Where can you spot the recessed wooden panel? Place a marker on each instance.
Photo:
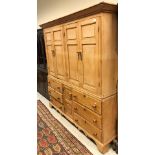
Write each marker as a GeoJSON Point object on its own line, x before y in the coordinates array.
{"type": "Point", "coordinates": [72, 48]}
{"type": "Point", "coordinates": [71, 33]}
{"type": "Point", "coordinates": [89, 66]}
{"type": "Point", "coordinates": [60, 60]}
{"type": "Point", "coordinates": [73, 63]}
{"type": "Point", "coordinates": [58, 47]}
{"type": "Point", "coordinates": [51, 61]}
{"type": "Point", "coordinates": [48, 36]}
{"type": "Point", "coordinates": [89, 45]}
{"type": "Point", "coordinates": [56, 35]}
{"type": "Point", "coordinates": [88, 31]}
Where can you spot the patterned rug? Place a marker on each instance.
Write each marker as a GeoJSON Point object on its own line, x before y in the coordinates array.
{"type": "Point", "coordinates": [53, 138]}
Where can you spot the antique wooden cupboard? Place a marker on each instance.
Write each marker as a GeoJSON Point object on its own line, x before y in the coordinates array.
{"type": "Point", "coordinates": [81, 51]}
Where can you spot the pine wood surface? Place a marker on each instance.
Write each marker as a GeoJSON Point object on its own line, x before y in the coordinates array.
{"type": "Point", "coordinates": [82, 71]}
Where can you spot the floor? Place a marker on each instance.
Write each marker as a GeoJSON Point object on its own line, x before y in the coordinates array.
{"type": "Point", "coordinates": [81, 137]}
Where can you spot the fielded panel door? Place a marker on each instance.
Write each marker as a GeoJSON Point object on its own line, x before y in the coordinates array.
{"type": "Point", "coordinates": [72, 48]}
{"type": "Point", "coordinates": [58, 51]}
{"type": "Point", "coordinates": [89, 47]}
{"type": "Point", "coordinates": [51, 61]}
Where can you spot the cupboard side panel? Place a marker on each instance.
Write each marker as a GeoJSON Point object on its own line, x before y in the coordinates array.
{"type": "Point", "coordinates": [109, 54]}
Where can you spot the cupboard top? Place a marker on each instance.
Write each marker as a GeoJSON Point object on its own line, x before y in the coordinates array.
{"type": "Point", "coordinates": [101, 7]}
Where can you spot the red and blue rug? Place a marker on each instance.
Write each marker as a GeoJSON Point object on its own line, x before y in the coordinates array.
{"type": "Point", "coordinates": [53, 138]}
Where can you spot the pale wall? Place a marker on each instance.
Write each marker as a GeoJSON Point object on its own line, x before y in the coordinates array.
{"type": "Point", "coordinates": [52, 9]}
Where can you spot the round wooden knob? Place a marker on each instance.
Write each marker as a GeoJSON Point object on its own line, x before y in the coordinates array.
{"type": "Point", "coordinates": [84, 109]}
{"type": "Point", "coordinates": [58, 98]}
{"type": "Point", "coordinates": [94, 106]}
{"type": "Point", "coordinates": [58, 87]}
{"type": "Point", "coordinates": [85, 121]}
{"type": "Point", "coordinates": [84, 96]}
{"type": "Point", "coordinates": [75, 108]}
{"type": "Point", "coordinates": [76, 120]}
{"type": "Point", "coordinates": [95, 134]}
{"type": "Point", "coordinates": [74, 96]}
{"type": "Point", "coordinates": [95, 121]}
{"type": "Point", "coordinates": [70, 96]}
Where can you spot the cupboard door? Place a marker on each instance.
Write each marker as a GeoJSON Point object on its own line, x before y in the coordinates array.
{"type": "Point", "coordinates": [72, 46]}
{"type": "Point", "coordinates": [51, 62]}
{"type": "Point", "coordinates": [58, 51]}
{"type": "Point", "coordinates": [89, 47]}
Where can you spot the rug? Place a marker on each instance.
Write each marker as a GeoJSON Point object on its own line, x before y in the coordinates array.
{"type": "Point", "coordinates": [53, 138]}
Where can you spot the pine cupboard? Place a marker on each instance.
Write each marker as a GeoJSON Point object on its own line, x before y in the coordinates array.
{"type": "Point", "coordinates": [81, 51]}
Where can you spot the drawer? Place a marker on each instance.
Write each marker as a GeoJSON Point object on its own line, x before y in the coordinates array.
{"type": "Point", "coordinates": [55, 94]}
{"type": "Point", "coordinates": [55, 85]}
{"type": "Point", "coordinates": [87, 101]}
{"type": "Point", "coordinates": [87, 114]}
{"type": "Point", "coordinates": [95, 132]}
{"type": "Point", "coordinates": [57, 104]}
{"type": "Point", "coordinates": [68, 109]}
{"type": "Point", "coordinates": [67, 94]}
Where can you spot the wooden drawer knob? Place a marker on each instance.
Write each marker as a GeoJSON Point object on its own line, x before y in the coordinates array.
{"type": "Point", "coordinates": [95, 121]}
{"type": "Point", "coordinates": [94, 106]}
{"type": "Point", "coordinates": [75, 97]}
{"type": "Point", "coordinates": [58, 88]}
{"type": "Point", "coordinates": [75, 108]}
{"type": "Point", "coordinates": [84, 96]}
{"type": "Point", "coordinates": [70, 96]}
{"type": "Point", "coordinates": [58, 98]}
{"type": "Point", "coordinates": [85, 121]}
{"type": "Point", "coordinates": [84, 109]}
{"type": "Point", "coordinates": [95, 134]}
{"type": "Point", "coordinates": [76, 120]}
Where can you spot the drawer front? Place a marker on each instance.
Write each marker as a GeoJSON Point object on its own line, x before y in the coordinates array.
{"type": "Point", "coordinates": [68, 109]}
{"type": "Point", "coordinates": [55, 94]}
{"type": "Point", "coordinates": [87, 101]}
{"type": "Point", "coordinates": [87, 114]}
{"type": "Point", "coordinates": [67, 94]}
{"type": "Point", "coordinates": [57, 104]}
{"type": "Point", "coordinates": [95, 132]}
{"type": "Point", "coordinates": [55, 85]}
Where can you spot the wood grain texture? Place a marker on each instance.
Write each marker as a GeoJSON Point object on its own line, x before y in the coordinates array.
{"type": "Point", "coordinates": [82, 62]}
{"type": "Point", "coordinates": [109, 54]}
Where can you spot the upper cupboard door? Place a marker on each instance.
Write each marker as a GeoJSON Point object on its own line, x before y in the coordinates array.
{"type": "Point", "coordinates": [72, 46]}
{"type": "Point", "coordinates": [90, 53]}
{"type": "Point", "coordinates": [49, 54]}
{"type": "Point", "coordinates": [58, 48]}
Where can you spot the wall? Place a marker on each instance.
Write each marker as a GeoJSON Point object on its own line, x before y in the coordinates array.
{"type": "Point", "coordinates": [52, 9]}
